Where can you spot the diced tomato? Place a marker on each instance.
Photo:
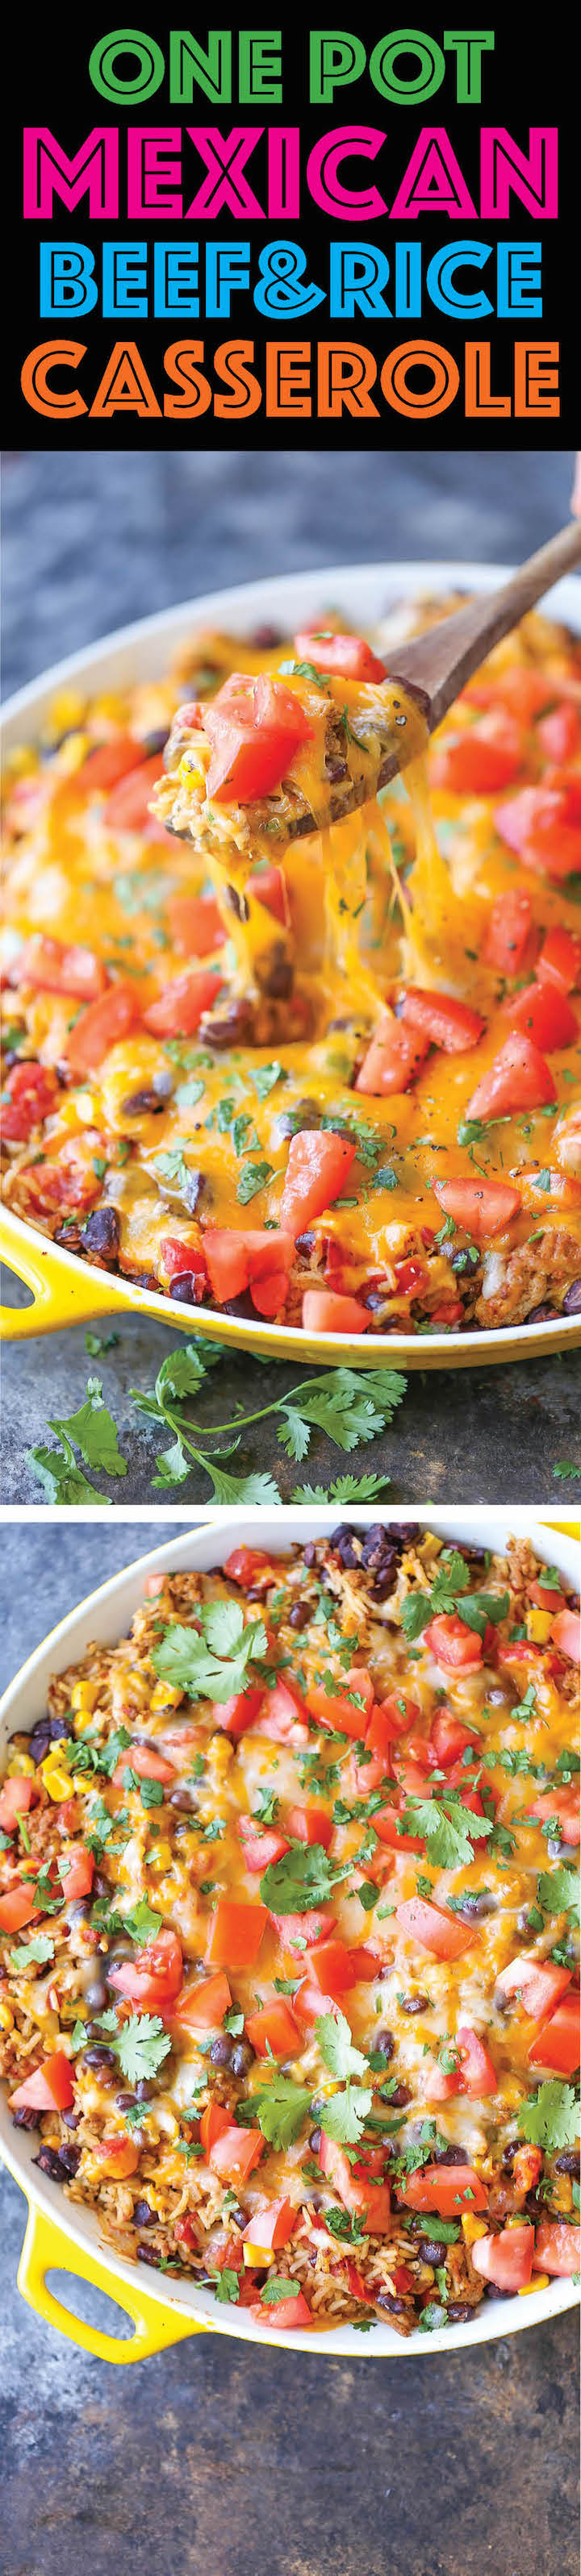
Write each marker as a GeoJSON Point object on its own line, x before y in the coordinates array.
{"type": "Point", "coordinates": [127, 810]}
{"type": "Point", "coordinates": [557, 2045]}
{"type": "Point", "coordinates": [346, 1711]}
{"type": "Point", "coordinates": [179, 1009]}
{"type": "Point", "coordinates": [213, 2124]}
{"type": "Point", "coordinates": [539, 1982]}
{"type": "Point", "coordinates": [477, 2070]}
{"type": "Point", "coordinates": [270, 1295]}
{"type": "Point", "coordinates": [447, 2188]}
{"type": "Point", "coordinates": [118, 2156]}
{"type": "Point", "coordinates": [559, 733]}
{"type": "Point", "coordinates": [546, 1595]}
{"type": "Point", "coordinates": [261, 1844]}
{"type": "Point", "coordinates": [49, 967]}
{"type": "Point", "coordinates": [31, 1095]}
{"type": "Point", "coordinates": [283, 1715]}
{"type": "Point", "coordinates": [449, 1737]}
{"type": "Point", "coordinates": [507, 2260]}
{"type": "Point", "coordinates": [177, 1256]}
{"type": "Point", "coordinates": [509, 930]}
{"type": "Point", "coordinates": [454, 1645]}
{"type": "Point", "coordinates": [445, 1022]}
{"type": "Point", "coordinates": [235, 1259]}
{"type": "Point", "coordinates": [527, 2168]}
{"type": "Point", "coordinates": [392, 1060]}
{"type": "Point", "coordinates": [146, 1764]}
{"type": "Point", "coordinates": [154, 1976]}
{"type": "Point", "coordinates": [330, 1968]}
{"type": "Point", "coordinates": [350, 655]}
{"type": "Point", "coordinates": [434, 1929]}
{"type": "Point", "coordinates": [203, 2005]}
{"type": "Point", "coordinates": [248, 1566]}
{"type": "Point", "coordinates": [488, 755]}
{"type": "Point", "coordinates": [50, 2088]}
{"type": "Point", "coordinates": [255, 728]}
{"type": "Point", "coordinates": [560, 958]}
{"type": "Point", "coordinates": [302, 1930]}
{"type": "Point", "coordinates": [236, 1933]}
{"type": "Point", "coordinates": [108, 762]}
{"type": "Point", "coordinates": [557, 2248]}
{"type": "Point", "coordinates": [542, 825]}
{"type": "Point", "coordinates": [154, 1585]}
{"type": "Point", "coordinates": [272, 2225]}
{"type": "Point", "coordinates": [387, 1823]}
{"type": "Point", "coordinates": [100, 1027]}
{"type": "Point", "coordinates": [565, 1806]}
{"type": "Point", "coordinates": [76, 1869]}
{"type": "Point", "coordinates": [544, 1013]}
{"type": "Point", "coordinates": [540, 1184]}
{"type": "Point", "coordinates": [482, 1208]}
{"type": "Point", "coordinates": [355, 2193]}
{"type": "Point", "coordinates": [318, 1165]}
{"type": "Point", "coordinates": [323, 1312]}
{"type": "Point", "coordinates": [16, 1796]}
{"type": "Point", "coordinates": [195, 924]}
{"type": "Point", "coordinates": [566, 1633]}
{"type": "Point", "coordinates": [237, 1714]}
{"type": "Point", "coordinates": [391, 1718]}
{"type": "Point", "coordinates": [289, 2316]}
{"type": "Point", "coordinates": [267, 885]}
{"type": "Point", "coordinates": [519, 1078]}
{"type": "Point", "coordinates": [310, 1825]}
{"type": "Point", "coordinates": [17, 1907]}
{"type": "Point", "coordinates": [236, 2152]}
{"type": "Point", "coordinates": [273, 2031]}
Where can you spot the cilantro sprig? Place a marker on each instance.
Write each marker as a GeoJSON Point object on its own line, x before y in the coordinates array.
{"type": "Point", "coordinates": [550, 2117]}
{"type": "Point", "coordinates": [451, 1592]}
{"type": "Point", "coordinates": [212, 1665]}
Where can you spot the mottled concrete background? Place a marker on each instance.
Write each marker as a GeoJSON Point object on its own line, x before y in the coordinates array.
{"type": "Point", "coordinates": [244, 2462]}
{"type": "Point", "coordinates": [93, 540]}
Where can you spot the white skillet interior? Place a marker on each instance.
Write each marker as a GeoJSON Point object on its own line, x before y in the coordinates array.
{"type": "Point", "coordinates": [142, 651]}
{"type": "Point", "coordinates": [104, 1617]}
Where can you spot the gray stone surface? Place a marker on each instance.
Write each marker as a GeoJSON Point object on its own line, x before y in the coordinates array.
{"type": "Point", "coordinates": [246, 2461]}
{"type": "Point", "coordinates": [93, 540]}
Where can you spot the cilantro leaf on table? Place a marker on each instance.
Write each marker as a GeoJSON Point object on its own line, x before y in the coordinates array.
{"type": "Point", "coordinates": [93, 1432]}
{"type": "Point", "coordinates": [344, 1489]}
{"type": "Point", "coordinates": [213, 1665]}
{"type": "Point", "coordinates": [550, 2117]}
{"type": "Point", "coordinates": [302, 1878]}
{"type": "Point", "coordinates": [333, 2035]}
{"type": "Point", "coordinates": [60, 1478]}
{"type": "Point", "coordinates": [565, 1468]}
{"type": "Point", "coordinates": [350, 1408]}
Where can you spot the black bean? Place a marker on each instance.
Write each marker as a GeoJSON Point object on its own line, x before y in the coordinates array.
{"type": "Point", "coordinates": [125, 2101]}
{"type": "Point", "coordinates": [540, 1315]}
{"type": "Point", "coordinates": [415, 2003]}
{"type": "Point", "coordinates": [143, 2215]}
{"type": "Point", "coordinates": [277, 982]}
{"type": "Point", "coordinates": [183, 1797]}
{"type": "Point", "coordinates": [310, 1553]}
{"type": "Point", "coordinates": [241, 1305]}
{"type": "Point", "coordinates": [401, 2094]}
{"type": "Point", "coordinates": [230, 1027]}
{"type": "Point", "coordinates": [69, 2160]}
{"type": "Point", "coordinates": [242, 2057]}
{"type": "Point", "coordinates": [221, 2050]}
{"type": "Point", "coordinates": [305, 1116]}
{"type": "Point", "coordinates": [96, 1995]}
{"type": "Point", "coordinates": [101, 1233]}
{"type": "Point", "coordinates": [192, 1190]}
{"type": "Point", "coordinates": [450, 2156]}
{"type": "Point", "coordinates": [569, 2162]}
{"type": "Point", "coordinates": [472, 1907]}
{"type": "Point", "coordinates": [265, 638]}
{"type": "Point", "coordinates": [184, 1289]}
{"type": "Point", "coordinates": [147, 2254]}
{"type": "Point", "coordinates": [397, 2307]}
{"type": "Point", "coordinates": [572, 1301]}
{"type": "Point", "coordinates": [144, 2089]}
{"type": "Point", "coordinates": [315, 2136]}
{"type": "Point", "coordinates": [237, 2218]}
{"type": "Point", "coordinates": [48, 2162]}
{"type": "Point", "coordinates": [48, 1730]}
{"type": "Point", "coordinates": [26, 2119]}
{"type": "Point", "coordinates": [71, 2119]}
{"type": "Point", "coordinates": [78, 1912]}
{"type": "Point", "coordinates": [465, 1262]}
{"type": "Point", "coordinates": [431, 2253]}
{"type": "Point", "coordinates": [384, 2040]}
{"type": "Point", "coordinates": [300, 1614]}
{"type": "Point", "coordinates": [99, 2056]}
{"type": "Point", "coordinates": [139, 1104]}
{"type": "Point", "coordinates": [459, 2312]}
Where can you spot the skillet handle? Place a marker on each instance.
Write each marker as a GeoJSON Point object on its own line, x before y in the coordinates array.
{"type": "Point", "coordinates": [61, 1296]}
{"type": "Point", "coordinates": [46, 2248]}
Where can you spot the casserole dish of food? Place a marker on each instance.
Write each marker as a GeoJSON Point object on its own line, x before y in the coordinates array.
{"type": "Point", "coordinates": [460, 2147]}
{"type": "Point", "coordinates": [427, 1211]}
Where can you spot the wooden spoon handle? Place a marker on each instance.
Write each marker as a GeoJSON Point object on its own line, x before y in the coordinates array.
{"type": "Point", "coordinates": [445, 656]}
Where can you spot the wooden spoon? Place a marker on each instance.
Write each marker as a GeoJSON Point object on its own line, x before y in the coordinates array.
{"type": "Point", "coordinates": [443, 658]}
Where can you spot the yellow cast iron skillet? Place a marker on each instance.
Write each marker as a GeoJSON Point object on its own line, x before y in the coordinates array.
{"type": "Point", "coordinates": [61, 2235]}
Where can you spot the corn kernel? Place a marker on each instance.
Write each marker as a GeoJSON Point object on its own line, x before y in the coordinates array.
{"type": "Point", "coordinates": [220, 1751]}
{"type": "Point", "coordinates": [6, 2017]}
{"type": "Point", "coordinates": [20, 1766]}
{"type": "Point", "coordinates": [162, 1857]}
{"type": "Point", "coordinates": [164, 1696]}
{"type": "Point", "coordinates": [540, 2281]}
{"type": "Point", "coordinates": [67, 709]}
{"type": "Point", "coordinates": [58, 1783]}
{"type": "Point", "coordinates": [472, 2227]}
{"type": "Point", "coordinates": [539, 1624]}
{"type": "Point", "coordinates": [257, 2255]}
{"type": "Point", "coordinates": [84, 1697]}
